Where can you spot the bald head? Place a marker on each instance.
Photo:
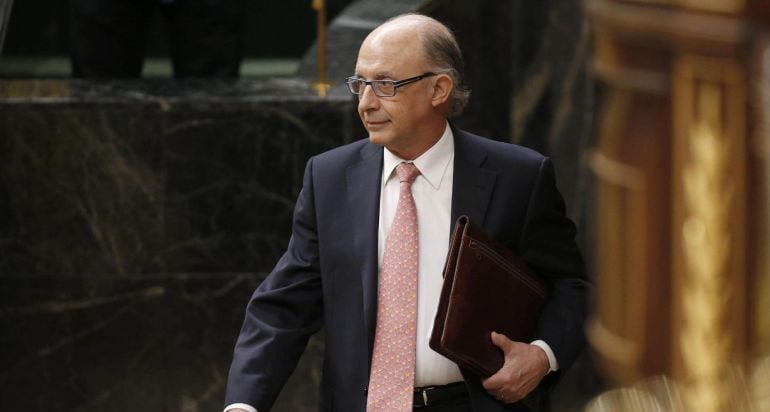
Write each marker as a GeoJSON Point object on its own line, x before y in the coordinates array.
{"type": "Point", "coordinates": [416, 26]}
{"type": "Point", "coordinates": [434, 43]}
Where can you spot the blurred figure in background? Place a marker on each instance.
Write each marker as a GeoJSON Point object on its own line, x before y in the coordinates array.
{"type": "Point", "coordinates": [108, 37]}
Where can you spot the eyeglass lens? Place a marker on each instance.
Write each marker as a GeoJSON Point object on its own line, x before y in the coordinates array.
{"type": "Point", "coordinates": [381, 87]}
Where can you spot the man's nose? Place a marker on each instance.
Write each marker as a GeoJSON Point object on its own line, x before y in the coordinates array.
{"type": "Point", "coordinates": [367, 100]}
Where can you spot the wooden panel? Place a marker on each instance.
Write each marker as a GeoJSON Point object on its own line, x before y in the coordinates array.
{"type": "Point", "coordinates": [718, 6]}
{"type": "Point", "coordinates": [759, 206]}
{"type": "Point", "coordinates": [669, 29]}
{"type": "Point", "coordinates": [682, 189]}
{"type": "Point", "coordinates": [632, 254]}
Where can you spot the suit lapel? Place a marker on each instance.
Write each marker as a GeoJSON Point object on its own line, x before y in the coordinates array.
{"type": "Point", "coordinates": [472, 184]}
{"type": "Point", "coordinates": [363, 180]}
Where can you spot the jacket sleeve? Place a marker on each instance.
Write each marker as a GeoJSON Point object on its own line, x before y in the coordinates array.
{"type": "Point", "coordinates": [548, 245]}
{"type": "Point", "coordinates": [284, 311]}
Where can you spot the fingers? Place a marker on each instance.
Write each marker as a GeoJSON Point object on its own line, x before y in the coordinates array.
{"type": "Point", "coordinates": [503, 397]}
{"type": "Point", "coordinates": [501, 341]}
{"type": "Point", "coordinates": [507, 396]}
{"type": "Point", "coordinates": [504, 375]}
{"type": "Point", "coordinates": [521, 372]}
{"type": "Point", "coordinates": [506, 391]}
{"type": "Point", "coordinates": [496, 381]}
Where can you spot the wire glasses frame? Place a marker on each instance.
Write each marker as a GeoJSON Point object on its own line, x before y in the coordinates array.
{"type": "Point", "coordinates": [382, 88]}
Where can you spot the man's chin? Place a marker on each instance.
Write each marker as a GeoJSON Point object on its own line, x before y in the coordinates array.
{"type": "Point", "coordinates": [378, 138]}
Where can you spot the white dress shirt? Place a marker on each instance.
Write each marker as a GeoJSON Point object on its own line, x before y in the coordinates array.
{"type": "Point", "coordinates": [432, 192]}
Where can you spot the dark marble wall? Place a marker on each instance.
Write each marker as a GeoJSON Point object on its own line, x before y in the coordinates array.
{"type": "Point", "coordinates": [135, 220]}
{"type": "Point", "coordinates": [133, 178]}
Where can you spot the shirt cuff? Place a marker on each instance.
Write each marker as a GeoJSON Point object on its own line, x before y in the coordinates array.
{"type": "Point", "coordinates": [240, 405]}
{"type": "Point", "coordinates": [552, 362]}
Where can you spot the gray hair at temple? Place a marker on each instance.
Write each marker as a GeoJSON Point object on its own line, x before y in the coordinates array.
{"type": "Point", "coordinates": [443, 52]}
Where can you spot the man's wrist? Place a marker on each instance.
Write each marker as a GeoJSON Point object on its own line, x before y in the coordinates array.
{"type": "Point", "coordinates": [553, 364]}
{"type": "Point", "coordinates": [237, 407]}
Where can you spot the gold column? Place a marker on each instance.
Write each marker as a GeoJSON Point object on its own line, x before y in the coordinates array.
{"type": "Point", "coordinates": [322, 83]}
{"type": "Point", "coordinates": [709, 226]}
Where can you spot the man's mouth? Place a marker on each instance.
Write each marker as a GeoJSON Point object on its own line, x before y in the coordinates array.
{"type": "Point", "coordinates": [375, 124]}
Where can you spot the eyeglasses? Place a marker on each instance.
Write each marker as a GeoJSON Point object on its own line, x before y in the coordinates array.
{"type": "Point", "coordinates": [382, 88]}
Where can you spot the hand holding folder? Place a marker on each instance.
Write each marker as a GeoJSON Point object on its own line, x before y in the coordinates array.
{"type": "Point", "coordinates": [486, 288]}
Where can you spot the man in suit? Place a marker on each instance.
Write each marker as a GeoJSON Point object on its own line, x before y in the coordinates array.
{"type": "Point", "coordinates": [416, 173]}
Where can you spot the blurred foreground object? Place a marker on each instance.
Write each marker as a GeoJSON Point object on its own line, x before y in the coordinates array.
{"type": "Point", "coordinates": [681, 198]}
{"type": "Point", "coordinates": [746, 393]}
{"type": "Point", "coordinates": [5, 14]}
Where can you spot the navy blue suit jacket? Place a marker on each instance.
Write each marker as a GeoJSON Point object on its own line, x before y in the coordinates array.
{"type": "Point", "coordinates": [328, 275]}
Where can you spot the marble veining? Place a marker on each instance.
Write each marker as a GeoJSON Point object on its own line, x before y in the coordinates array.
{"type": "Point", "coordinates": [136, 218]}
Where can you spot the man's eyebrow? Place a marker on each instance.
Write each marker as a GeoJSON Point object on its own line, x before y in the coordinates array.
{"type": "Point", "coordinates": [377, 76]}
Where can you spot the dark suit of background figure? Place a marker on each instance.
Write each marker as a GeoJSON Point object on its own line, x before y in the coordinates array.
{"type": "Point", "coordinates": [108, 36]}
{"type": "Point", "coordinates": [328, 276]}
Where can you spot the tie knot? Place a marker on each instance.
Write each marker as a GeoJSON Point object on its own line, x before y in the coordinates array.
{"type": "Point", "coordinates": [407, 172]}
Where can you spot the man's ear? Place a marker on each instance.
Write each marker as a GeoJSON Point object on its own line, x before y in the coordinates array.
{"type": "Point", "coordinates": [441, 89]}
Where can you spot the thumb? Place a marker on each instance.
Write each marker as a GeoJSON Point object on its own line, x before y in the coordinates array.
{"type": "Point", "coordinates": [501, 341]}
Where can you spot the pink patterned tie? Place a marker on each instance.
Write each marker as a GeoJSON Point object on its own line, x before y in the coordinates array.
{"type": "Point", "coordinates": [391, 380]}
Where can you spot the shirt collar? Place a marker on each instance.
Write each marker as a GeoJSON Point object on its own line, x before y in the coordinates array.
{"type": "Point", "coordinates": [432, 164]}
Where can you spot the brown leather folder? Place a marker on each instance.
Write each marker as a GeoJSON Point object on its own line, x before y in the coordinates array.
{"type": "Point", "coordinates": [486, 288]}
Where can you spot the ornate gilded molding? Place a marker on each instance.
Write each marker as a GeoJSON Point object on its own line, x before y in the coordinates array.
{"type": "Point", "coordinates": [723, 6]}
{"type": "Point", "coordinates": [706, 233]}
{"type": "Point", "coordinates": [670, 27]}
